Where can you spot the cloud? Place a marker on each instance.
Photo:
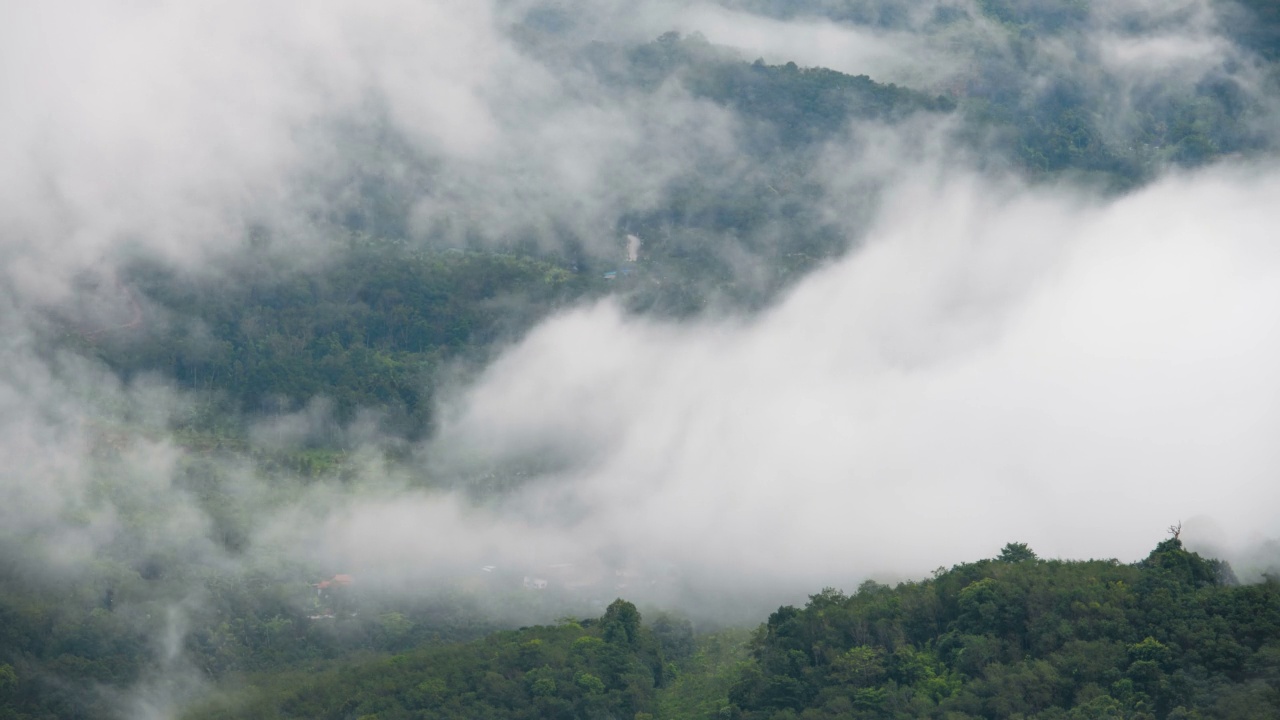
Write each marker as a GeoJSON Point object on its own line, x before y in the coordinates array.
{"type": "Point", "coordinates": [994, 365]}
{"type": "Point", "coordinates": [174, 130]}
{"type": "Point", "coordinates": [887, 56]}
{"type": "Point", "coordinates": [917, 373]}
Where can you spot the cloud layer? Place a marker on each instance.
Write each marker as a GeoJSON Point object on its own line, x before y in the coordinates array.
{"type": "Point", "coordinates": [993, 365]}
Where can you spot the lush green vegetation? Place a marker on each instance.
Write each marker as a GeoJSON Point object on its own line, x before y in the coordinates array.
{"type": "Point", "coordinates": [608, 667]}
{"type": "Point", "coordinates": [372, 322]}
{"type": "Point", "coordinates": [70, 647]}
{"type": "Point", "coordinates": [365, 328]}
{"type": "Point", "coordinates": [1169, 637]}
{"type": "Point", "coordinates": [1172, 636]}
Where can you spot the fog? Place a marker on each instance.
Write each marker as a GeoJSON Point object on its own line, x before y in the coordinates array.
{"type": "Point", "coordinates": [995, 358]}
{"type": "Point", "coordinates": [993, 365]}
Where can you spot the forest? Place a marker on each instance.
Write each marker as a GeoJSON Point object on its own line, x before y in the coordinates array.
{"type": "Point", "coordinates": [1172, 636]}
{"type": "Point", "coordinates": [192, 438]}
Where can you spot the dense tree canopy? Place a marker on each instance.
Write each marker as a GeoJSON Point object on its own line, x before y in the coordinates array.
{"type": "Point", "coordinates": [608, 667]}
{"type": "Point", "coordinates": [1022, 637]}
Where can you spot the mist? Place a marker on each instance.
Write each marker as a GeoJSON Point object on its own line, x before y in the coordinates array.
{"type": "Point", "coordinates": [1005, 365]}
{"type": "Point", "coordinates": [990, 348]}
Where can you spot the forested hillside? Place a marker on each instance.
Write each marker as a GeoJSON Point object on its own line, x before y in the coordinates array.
{"type": "Point", "coordinates": [370, 322]}
{"type": "Point", "coordinates": [1173, 636]}
{"type": "Point", "coordinates": [366, 329]}
{"type": "Point", "coordinates": [605, 667]}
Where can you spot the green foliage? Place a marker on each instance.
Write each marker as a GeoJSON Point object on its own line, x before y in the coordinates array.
{"type": "Point", "coordinates": [570, 670]}
{"type": "Point", "coordinates": [1024, 637]}
{"type": "Point", "coordinates": [800, 106]}
{"type": "Point", "coordinates": [1016, 552]}
{"type": "Point", "coordinates": [1005, 638]}
{"type": "Point", "coordinates": [365, 329]}
{"type": "Point", "coordinates": [74, 644]}
{"type": "Point", "coordinates": [621, 623]}
{"type": "Point", "coordinates": [764, 204]}
{"type": "Point", "coordinates": [700, 690]}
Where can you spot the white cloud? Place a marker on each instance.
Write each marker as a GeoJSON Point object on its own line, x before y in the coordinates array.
{"type": "Point", "coordinates": [990, 367]}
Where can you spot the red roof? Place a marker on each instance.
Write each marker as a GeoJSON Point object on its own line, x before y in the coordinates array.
{"type": "Point", "coordinates": [336, 580]}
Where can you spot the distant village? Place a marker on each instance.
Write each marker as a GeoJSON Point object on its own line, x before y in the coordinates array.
{"type": "Point", "coordinates": [592, 583]}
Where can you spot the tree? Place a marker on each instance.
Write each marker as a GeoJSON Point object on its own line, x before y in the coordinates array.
{"type": "Point", "coordinates": [621, 623]}
{"type": "Point", "coordinates": [1017, 552]}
